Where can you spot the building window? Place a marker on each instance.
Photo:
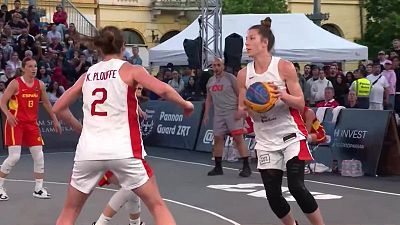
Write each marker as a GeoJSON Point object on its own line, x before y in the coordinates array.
{"type": "Point", "coordinates": [168, 35]}
{"type": "Point", "coordinates": [333, 28]}
{"type": "Point", "coordinates": [132, 37]}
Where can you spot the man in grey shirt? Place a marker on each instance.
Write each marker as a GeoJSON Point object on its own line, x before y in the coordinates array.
{"type": "Point", "coordinates": [222, 94]}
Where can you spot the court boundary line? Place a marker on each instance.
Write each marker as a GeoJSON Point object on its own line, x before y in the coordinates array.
{"type": "Point", "coordinates": [311, 181]}
{"type": "Point", "coordinates": [229, 168]}
{"type": "Point", "coordinates": [165, 199]}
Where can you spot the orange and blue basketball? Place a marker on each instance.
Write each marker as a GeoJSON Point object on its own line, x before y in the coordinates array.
{"type": "Point", "coordinates": [258, 97]}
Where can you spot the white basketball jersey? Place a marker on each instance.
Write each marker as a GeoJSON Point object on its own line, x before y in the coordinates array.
{"type": "Point", "coordinates": [281, 125]}
{"type": "Point", "coordinates": [110, 119]}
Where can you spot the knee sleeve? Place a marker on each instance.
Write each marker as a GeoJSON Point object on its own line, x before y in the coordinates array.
{"type": "Point", "coordinates": [38, 158]}
{"type": "Point", "coordinates": [133, 204]}
{"type": "Point", "coordinates": [295, 174]}
{"type": "Point", "coordinates": [14, 153]}
{"type": "Point", "coordinates": [119, 199]}
{"type": "Point", "coordinates": [272, 180]}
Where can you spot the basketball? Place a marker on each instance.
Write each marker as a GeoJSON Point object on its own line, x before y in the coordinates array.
{"type": "Point", "coordinates": [258, 97]}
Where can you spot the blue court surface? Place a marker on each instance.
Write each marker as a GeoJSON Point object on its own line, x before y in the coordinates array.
{"type": "Point", "coordinates": [196, 199]}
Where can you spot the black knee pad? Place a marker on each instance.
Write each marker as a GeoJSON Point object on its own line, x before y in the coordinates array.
{"type": "Point", "coordinates": [295, 174]}
{"type": "Point", "coordinates": [272, 180]}
{"type": "Point", "coordinates": [279, 205]}
{"type": "Point", "coordinates": [304, 198]}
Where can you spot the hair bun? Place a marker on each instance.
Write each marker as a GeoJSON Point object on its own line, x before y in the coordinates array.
{"type": "Point", "coordinates": [110, 40]}
{"type": "Point", "coordinates": [108, 36]}
{"type": "Point", "coordinates": [266, 22]}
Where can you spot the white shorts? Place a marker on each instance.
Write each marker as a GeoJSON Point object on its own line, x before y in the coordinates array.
{"type": "Point", "coordinates": [278, 159]}
{"type": "Point", "coordinates": [131, 173]}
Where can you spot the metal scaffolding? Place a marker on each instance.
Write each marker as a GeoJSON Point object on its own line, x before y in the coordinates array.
{"type": "Point", "coordinates": [210, 22]}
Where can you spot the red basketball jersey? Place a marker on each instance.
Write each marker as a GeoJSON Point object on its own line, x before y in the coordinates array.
{"type": "Point", "coordinates": [25, 104]}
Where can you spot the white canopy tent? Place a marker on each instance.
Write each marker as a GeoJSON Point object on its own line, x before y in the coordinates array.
{"type": "Point", "coordinates": [297, 39]}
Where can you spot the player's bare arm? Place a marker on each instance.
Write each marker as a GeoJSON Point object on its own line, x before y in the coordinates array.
{"type": "Point", "coordinates": [61, 107]}
{"type": "Point", "coordinates": [241, 84]}
{"type": "Point", "coordinates": [11, 90]}
{"type": "Point", "coordinates": [294, 95]}
{"type": "Point", "coordinates": [47, 106]}
{"type": "Point", "coordinates": [310, 116]}
{"type": "Point", "coordinates": [138, 74]}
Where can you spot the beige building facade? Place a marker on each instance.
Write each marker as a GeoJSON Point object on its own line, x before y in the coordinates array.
{"type": "Point", "coordinates": [149, 22]}
{"type": "Point", "coordinates": [346, 17]}
{"type": "Point", "coordinates": [153, 19]}
{"type": "Point", "coordinates": [145, 22]}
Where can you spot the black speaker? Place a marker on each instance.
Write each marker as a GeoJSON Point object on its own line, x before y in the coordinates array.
{"type": "Point", "coordinates": [193, 52]}
{"type": "Point", "coordinates": [233, 51]}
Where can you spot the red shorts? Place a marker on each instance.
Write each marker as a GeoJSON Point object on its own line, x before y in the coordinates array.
{"type": "Point", "coordinates": [105, 179]}
{"type": "Point", "coordinates": [24, 134]}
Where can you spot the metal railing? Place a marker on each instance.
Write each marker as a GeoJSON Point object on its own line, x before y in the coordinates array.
{"type": "Point", "coordinates": [174, 4]}
{"type": "Point", "coordinates": [46, 9]}
{"type": "Point", "coordinates": [82, 24]}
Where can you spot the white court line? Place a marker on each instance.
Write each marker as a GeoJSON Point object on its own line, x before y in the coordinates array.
{"type": "Point", "coordinates": [311, 181]}
{"type": "Point", "coordinates": [167, 200]}
{"type": "Point", "coordinates": [228, 168]}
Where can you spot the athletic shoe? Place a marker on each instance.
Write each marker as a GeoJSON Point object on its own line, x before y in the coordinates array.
{"type": "Point", "coordinates": [245, 172]}
{"type": "Point", "coordinates": [42, 193]}
{"type": "Point", "coordinates": [307, 170]}
{"type": "Point", "coordinates": [3, 194]}
{"type": "Point", "coordinates": [216, 171]}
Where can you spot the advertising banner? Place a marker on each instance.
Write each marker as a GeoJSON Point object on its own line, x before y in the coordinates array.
{"type": "Point", "coordinates": [166, 126]}
{"type": "Point", "coordinates": [359, 134]}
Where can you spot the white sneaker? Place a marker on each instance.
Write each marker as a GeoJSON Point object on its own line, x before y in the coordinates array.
{"type": "Point", "coordinates": [42, 193]}
{"type": "Point", "coordinates": [307, 170]}
{"type": "Point", "coordinates": [3, 194]}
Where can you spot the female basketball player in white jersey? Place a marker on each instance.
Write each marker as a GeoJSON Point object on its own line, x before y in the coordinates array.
{"type": "Point", "coordinates": [110, 136]}
{"type": "Point", "coordinates": [280, 133]}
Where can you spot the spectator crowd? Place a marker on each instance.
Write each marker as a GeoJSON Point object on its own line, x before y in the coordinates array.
{"type": "Point", "coordinates": [375, 84]}
{"type": "Point", "coordinates": [63, 55]}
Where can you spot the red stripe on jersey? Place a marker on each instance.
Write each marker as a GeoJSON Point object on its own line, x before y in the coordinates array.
{"type": "Point", "coordinates": [299, 121]}
{"type": "Point", "coordinates": [149, 171]}
{"type": "Point", "coordinates": [304, 153]}
{"type": "Point", "coordinates": [134, 127]}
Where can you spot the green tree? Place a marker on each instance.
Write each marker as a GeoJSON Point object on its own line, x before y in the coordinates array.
{"type": "Point", "coordinates": [383, 25]}
{"type": "Point", "coordinates": [254, 6]}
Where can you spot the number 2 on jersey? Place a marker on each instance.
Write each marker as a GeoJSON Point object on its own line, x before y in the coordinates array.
{"type": "Point", "coordinates": [93, 111]}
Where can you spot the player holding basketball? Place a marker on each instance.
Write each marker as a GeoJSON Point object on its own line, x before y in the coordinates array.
{"type": "Point", "coordinates": [20, 104]}
{"type": "Point", "coordinates": [280, 132]}
{"type": "Point", "coordinates": [222, 94]}
{"type": "Point", "coordinates": [110, 135]}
